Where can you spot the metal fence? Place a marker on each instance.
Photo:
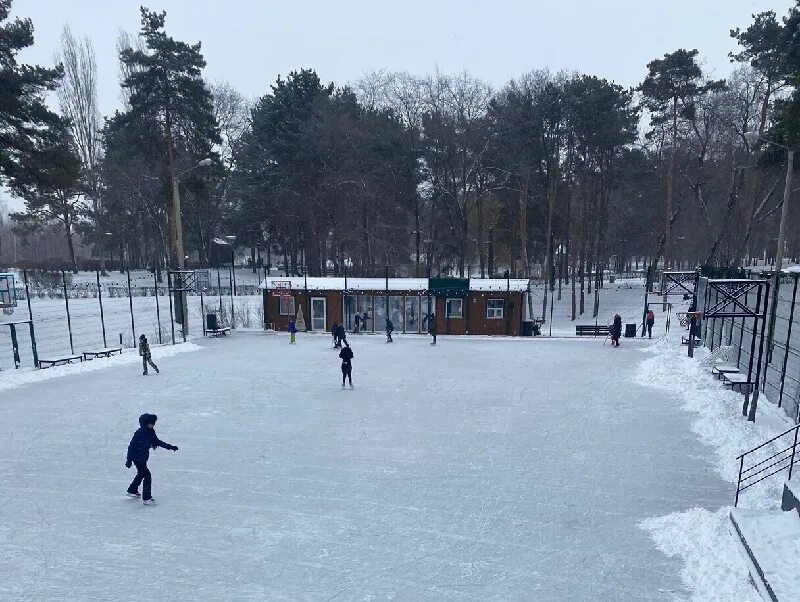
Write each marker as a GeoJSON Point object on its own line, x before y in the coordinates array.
{"type": "Point", "coordinates": [778, 376]}
{"type": "Point", "coordinates": [71, 316]}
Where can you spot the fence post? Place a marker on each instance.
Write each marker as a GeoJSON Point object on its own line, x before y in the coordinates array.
{"type": "Point", "coordinates": [27, 294]}
{"type": "Point", "coordinates": [751, 416]}
{"type": "Point", "coordinates": [158, 308]}
{"type": "Point", "coordinates": [230, 283]}
{"type": "Point", "coordinates": [102, 316]}
{"type": "Point", "coordinates": [203, 313]}
{"type": "Point", "coordinates": [788, 339]}
{"type": "Point", "coordinates": [739, 481]}
{"type": "Point", "coordinates": [794, 449]}
{"type": "Point", "coordinates": [219, 292]}
{"type": "Point", "coordinates": [69, 319]}
{"type": "Point", "coordinates": [750, 363]}
{"type": "Point", "coordinates": [171, 313]}
{"type": "Point", "coordinates": [130, 303]}
{"type": "Point", "coordinates": [741, 332]}
{"type": "Point", "coordinates": [33, 345]}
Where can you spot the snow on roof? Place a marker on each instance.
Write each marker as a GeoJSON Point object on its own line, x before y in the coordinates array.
{"type": "Point", "coordinates": [395, 284]}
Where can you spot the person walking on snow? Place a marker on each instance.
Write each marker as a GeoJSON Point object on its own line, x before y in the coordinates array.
{"type": "Point", "coordinates": [341, 334]}
{"type": "Point", "coordinates": [432, 327]}
{"type": "Point", "coordinates": [144, 351]}
{"type": "Point", "coordinates": [616, 330]}
{"type": "Point", "coordinates": [389, 330]}
{"type": "Point", "coordinates": [335, 335]}
{"type": "Point", "coordinates": [139, 453]}
{"type": "Point", "coordinates": [346, 355]}
{"type": "Point", "coordinates": [651, 319]}
{"type": "Point", "coordinates": [292, 331]}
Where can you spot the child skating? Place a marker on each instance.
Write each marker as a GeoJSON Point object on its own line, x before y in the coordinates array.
{"type": "Point", "coordinates": [139, 453]}
{"type": "Point", "coordinates": [347, 367]}
{"type": "Point", "coordinates": [292, 331]}
{"type": "Point", "coordinates": [389, 330]}
{"type": "Point", "coordinates": [144, 351]}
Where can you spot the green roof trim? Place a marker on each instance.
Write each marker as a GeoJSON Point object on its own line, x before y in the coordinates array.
{"type": "Point", "coordinates": [449, 287]}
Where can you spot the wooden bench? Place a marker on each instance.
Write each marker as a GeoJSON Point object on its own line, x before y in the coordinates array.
{"type": "Point", "coordinates": [697, 342]}
{"type": "Point", "coordinates": [215, 332]}
{"type": "Point", "coordinates": [62, 360]}
{"type": "Point", "coordinates": [722, 369]}
{"type": "Point", "coordinates": [103, 352]}
{"type": "Point", "coordinates": [737, 380]}
{"type": "Point", "coordinates": [591, 330]}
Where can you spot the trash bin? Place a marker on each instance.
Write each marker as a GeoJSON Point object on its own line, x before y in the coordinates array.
{"type": "Point", "coordinates": [211, 322]}
{"type": "Point", "coordinates": [630, 331]}
{"type": "Point", "coordinates": [527, 328]}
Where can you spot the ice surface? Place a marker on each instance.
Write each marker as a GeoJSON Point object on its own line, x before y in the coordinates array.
{"type": "Point", "coordinates": [473, 470]}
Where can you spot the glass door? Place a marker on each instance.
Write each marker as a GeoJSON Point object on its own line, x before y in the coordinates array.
{"type": "Point", "coordinates": [318, 314]}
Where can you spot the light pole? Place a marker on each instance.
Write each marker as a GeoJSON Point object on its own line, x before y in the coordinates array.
{"type": "Point", "coordinates": [754, 138]}
{"type": "Point", "coordinates": [232, 239]}
{"type": "Point", "coordinates": [176, 233]}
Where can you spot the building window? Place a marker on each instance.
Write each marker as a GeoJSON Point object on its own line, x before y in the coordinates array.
{"type": "Point", "coordinates": [494, 309]}
{"type": "Point", "coordinates": [455, 308]}
{"type": "Point", "coordinates": [286, 305]}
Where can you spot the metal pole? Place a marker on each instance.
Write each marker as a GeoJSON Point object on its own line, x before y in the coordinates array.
{"type": "Point", "coordinates": [203, 313]}
{"type": "Point", "coordinates": [551, 316]}
{"type": "Point", "coordinates": [171, 310]}
{"type": "Point", "coordinates": [102, 316]}
{"type": "Point", "coordinates": [752, 356]}
{"type": "Point", "coordinates": [741, 333]}
{"type": "Point", "coordinates": [130, 302]}
{"type": "Point", "coordinates": [219, 292]}
{"type": "Point", "coordinates": [230, 283]}
{"type": "Point", "coordinates": [158, 308]}
{"type": "Point", "coordinates": [787, 194]}
{"type": "Point", "coordinates": [752, 416]}
{"type": "Point", "coordinates": [176, 231]}
{"type": "Point", "coordinates": [233, 270]}
{"type": "Point", "coordinates": [33, 345]}
{"type": "Point", "coordinates": [69, 319]}
{"type": "Point", "coordinates": [788, 339]}
{"type": "Point", "coordinates": [307, 300]}
{"type": "Point", "coordinates": [739, 481]}
{"type": "Point", "coordinates": [386, 275]}
{"type": "Point", "coordinates": [794, 449]}
{"type": "Point", "coordinates": [27, 294]}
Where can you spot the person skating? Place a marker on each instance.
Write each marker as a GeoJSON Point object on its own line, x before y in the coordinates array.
{"type": "Point", "coordinates": [357, 322]}
{"type": "Point", "coordinates": [139, 453]}
{"type": "Point", "coordinates": [144, 351]}
{"type": "Point", "coordinates": [341, 335]}
{"type": "Point", "coordinates": [364, 319]}
{"type": "Point", "coordinates": [292, 331]}
{"type": "Point", "coordinates": [651, 319]}
{"type": "Point", "coordinates": [432, 327]}
{"type": "Point", "coordinates": [616, 330]}
{"type": "Point", "coordinates": [346, 355]}
{"type": "Point", "coordinates": [389, 330]}
{"type": "Point", "coordinates": [335, 335]}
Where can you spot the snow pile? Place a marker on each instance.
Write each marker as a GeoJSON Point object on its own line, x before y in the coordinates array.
{"type": "Point", "coordinates": [714, 569]}
{"type": "Point", "coordinates": [19, 378]}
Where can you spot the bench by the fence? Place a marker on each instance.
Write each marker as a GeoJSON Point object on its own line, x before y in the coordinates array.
{"type": "Point", "coordinates": [103, 352]}
{"type": "Point", "coordinates": [60, 360]}
{"type": "Point", "coordinates": [591, 330]}
{"type": "Point", "coordinates": [722, 369]}
{"type": "Point", "coordinates": [697, 342]}
{"type": "Point", "coordinates": [215, 332]}
{"type": "Point", "coordinates": [738, 381]}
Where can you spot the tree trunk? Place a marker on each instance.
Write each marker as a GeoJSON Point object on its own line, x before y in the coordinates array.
{"type": "Point", "coordinates": [552, 187]}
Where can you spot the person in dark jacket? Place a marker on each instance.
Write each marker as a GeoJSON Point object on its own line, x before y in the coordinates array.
{"type": "Point", "coordinates": [143, 440]}
{"type": "Point", "coordinates": [292, 331]}
{"type": "Point", "coordinates": [346, 355]}
{"type": "Point", "coordinates": [389, 330]}
{"type": "Point", "coordinates": [357, 322]}
{"type": "Point", "coordinates": [335, 335]}
{"type": "Point", "coordinates": [651, 319]}
{"type": "Point", "coordinates": [144, 351]}
{"type": "Point", "coordinates": [432, 327]}
{"type": "Point", "coordinates": [616, 330]}
{"type": "Point", "coordinates": [342, 335]}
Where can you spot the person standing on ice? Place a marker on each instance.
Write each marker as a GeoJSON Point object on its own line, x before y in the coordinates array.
{"type": "Point", "coordinates": [357, 322]}
{"type": "Point", "coordinates": [341, 333]}
{"type": "Point", "coordinates": [139, 453]}
{"type": "Point", "coordinates": [346, 356]}
{"type": "Point", "coordinates": [651, 319]}
{"type": "Point", "coordinates": [364, 319]}
{"type": "Point", "coordinates": [389, 330]}
{"type": "Point", "coordinates": [335, 335]}
{"type": "Point", "coordinates": [616, 330]}
{"type": "Point", "coordinates": [432, 327]}
{"type": "Point", "coordinates": [144, 351]}
{"type": "Point", "coordinates": [292, 331]}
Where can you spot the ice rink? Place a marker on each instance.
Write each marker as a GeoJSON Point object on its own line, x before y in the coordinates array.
{"type": "Point", "coordinates": [474, 470]}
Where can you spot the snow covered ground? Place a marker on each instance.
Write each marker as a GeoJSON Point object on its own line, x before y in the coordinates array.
{"type": "Point", "coordinates": [478, 469]}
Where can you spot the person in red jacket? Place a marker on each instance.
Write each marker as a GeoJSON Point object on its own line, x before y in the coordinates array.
{"type": "Point", "coordinates": [651, 319]}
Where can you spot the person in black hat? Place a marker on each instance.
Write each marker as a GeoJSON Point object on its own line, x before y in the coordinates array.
{"type": "Point", "coordinates": [346, 356]}
{"type": "Point", "coordinates": [142, 441]}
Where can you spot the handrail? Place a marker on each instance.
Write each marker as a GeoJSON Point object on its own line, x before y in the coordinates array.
{"type": "Point", "coordinates": [774, 460]}
{"type": "Point", "coordinates": [794, 428]}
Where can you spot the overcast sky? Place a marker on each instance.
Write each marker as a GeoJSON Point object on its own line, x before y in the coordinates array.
{"type": "Point", "coordinates": [250, 42]}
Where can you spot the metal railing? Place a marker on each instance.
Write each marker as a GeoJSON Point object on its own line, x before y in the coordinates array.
{"type": "Point", "coordinates": [777, 462]}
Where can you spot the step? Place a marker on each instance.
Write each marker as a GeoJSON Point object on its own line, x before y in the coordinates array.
{"type": "Point", "coordinates": [771, 542]}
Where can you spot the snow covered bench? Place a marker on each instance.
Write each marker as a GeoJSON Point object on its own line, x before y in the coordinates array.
{"type": "Point", "coordinates": [738, 381]}
{"type": "Point", "coordinates": [215, 332]}
{"type": "Point", "coordinates": [102, 352]}
{"type": "Point", "coordinates": [61, 360]}
{"type": "Point", "coordinates": [722, 369]}
{"type": "Point", "coordinates": [697, 342]}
